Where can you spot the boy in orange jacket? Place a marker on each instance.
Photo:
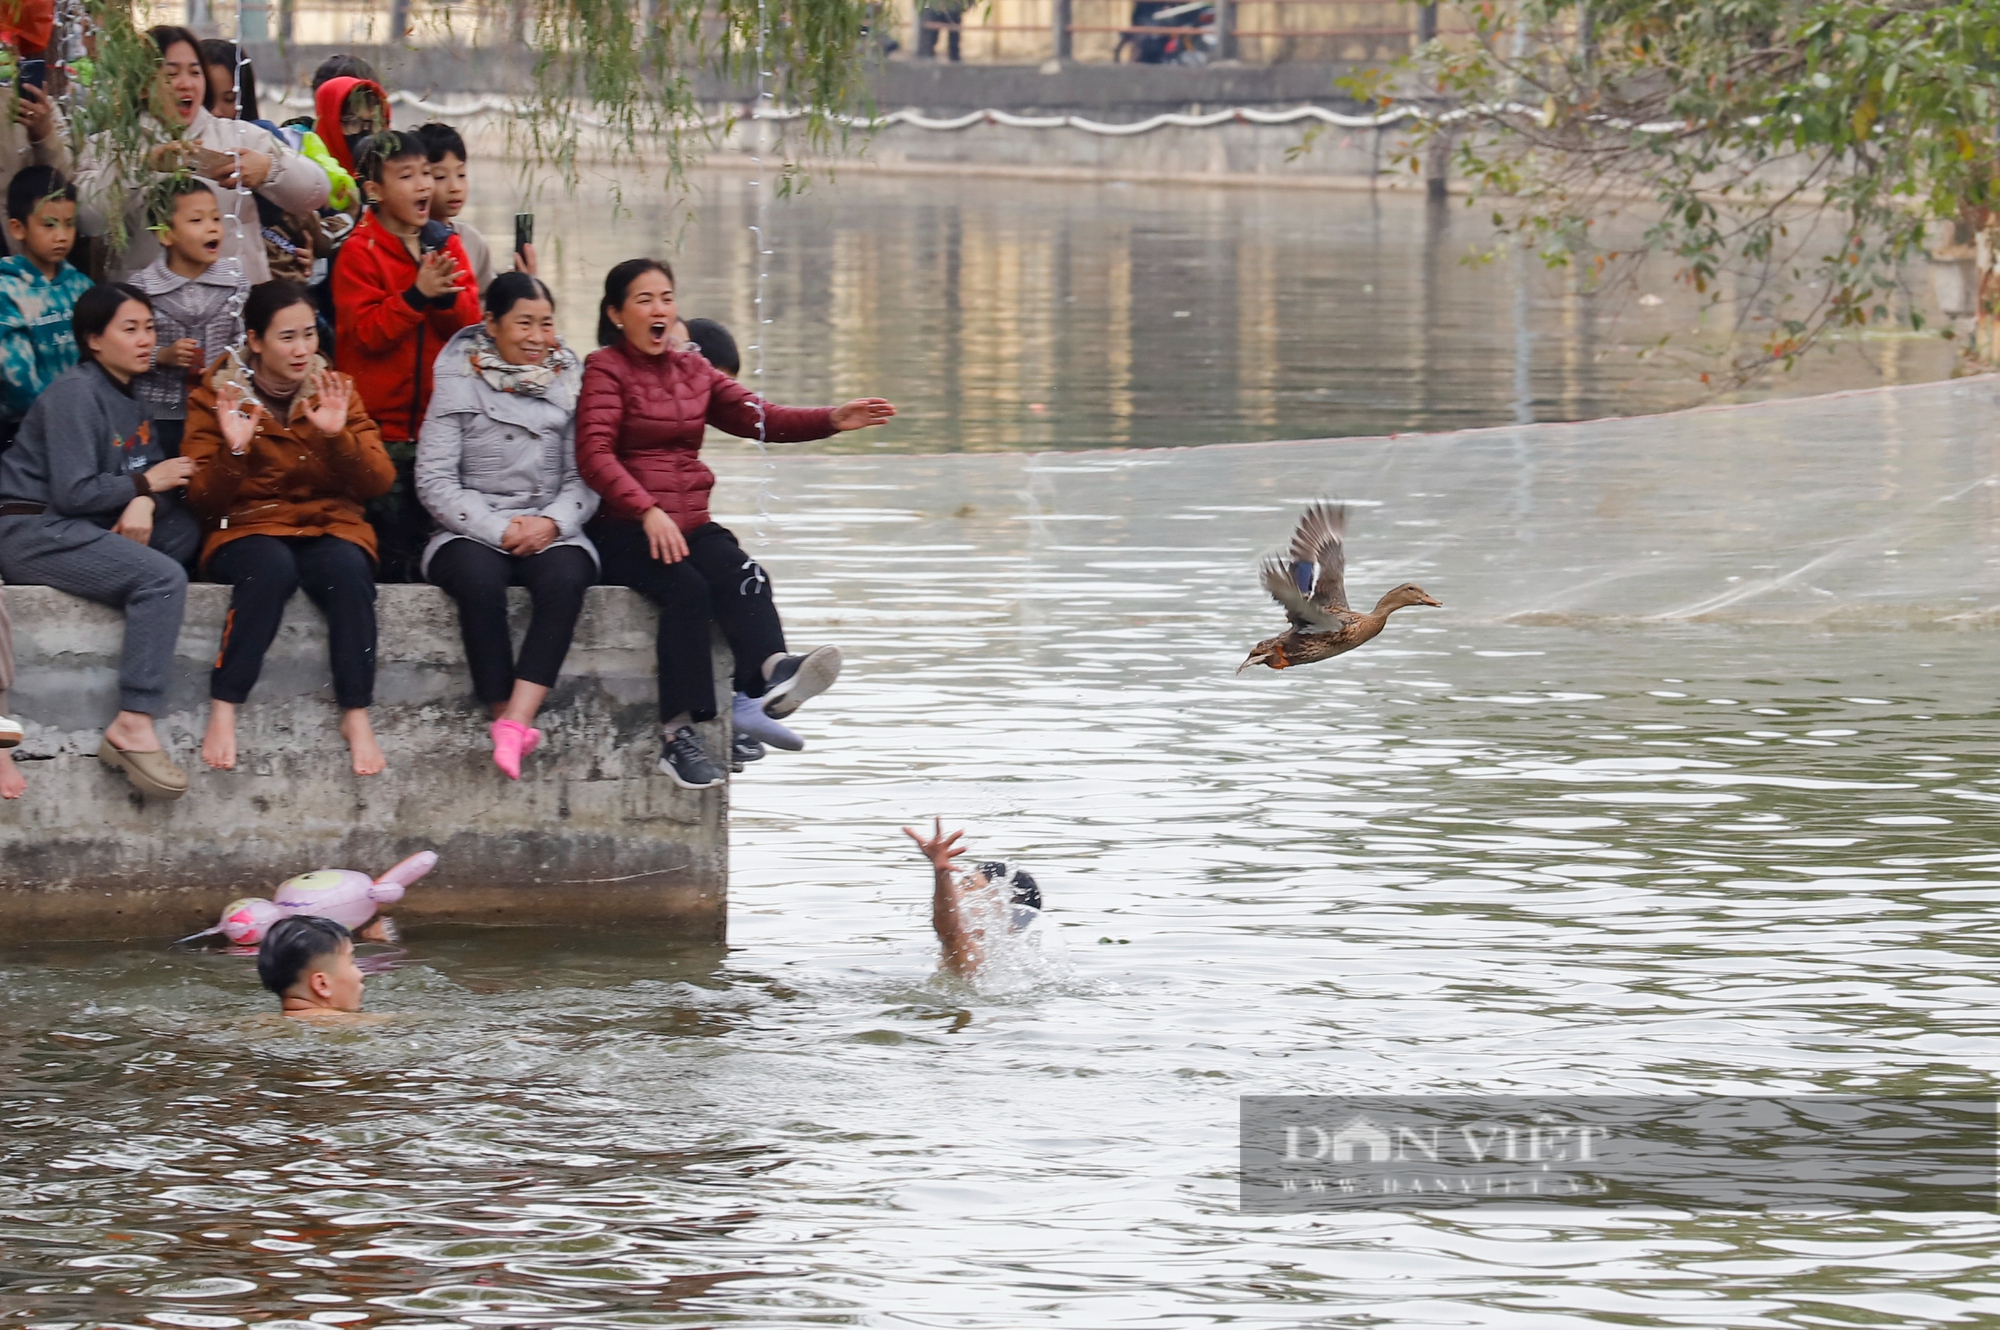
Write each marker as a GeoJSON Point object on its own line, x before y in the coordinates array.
{"type": "Point", "coordinates": [402, 285]}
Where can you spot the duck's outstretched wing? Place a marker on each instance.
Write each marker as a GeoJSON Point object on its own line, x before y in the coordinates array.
{"type": "Point", "coordinates": [1319, 543]}
{"type": "Point", "coordinates": [1279, 576]}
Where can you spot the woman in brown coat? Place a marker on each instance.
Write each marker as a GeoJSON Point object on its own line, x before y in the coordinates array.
{"type": "Point", "coordinates": [285, 455]}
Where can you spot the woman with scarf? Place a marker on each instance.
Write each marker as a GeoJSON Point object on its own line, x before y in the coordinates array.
{"type": "Point", "coordinates": [496, 466]}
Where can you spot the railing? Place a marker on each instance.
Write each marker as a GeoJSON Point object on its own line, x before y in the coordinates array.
{"type": "Point", "coordinates": [1259, 32]}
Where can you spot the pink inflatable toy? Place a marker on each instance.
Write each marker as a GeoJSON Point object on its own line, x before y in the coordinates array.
{"type": "Point", "coordinates": [340, 894]}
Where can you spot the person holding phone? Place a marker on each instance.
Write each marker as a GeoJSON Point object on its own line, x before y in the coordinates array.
{"type": "Point", "coordinates": [401, 288]}
{"type": "Point", "coordinates": [225, 153]}
{"type": "Point", "coordinates": [32, 133]}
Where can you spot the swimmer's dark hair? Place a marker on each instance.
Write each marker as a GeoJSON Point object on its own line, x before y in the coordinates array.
{"type": "Point", "coordinates": [1025, 891]}
{"type": "Point", "coordinates": [291, 947]}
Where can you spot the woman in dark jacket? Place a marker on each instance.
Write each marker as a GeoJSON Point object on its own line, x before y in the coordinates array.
{"type": "Point", "coordinates": [87, 505]}
{"type": "Point", "coordinates": [639, 426]}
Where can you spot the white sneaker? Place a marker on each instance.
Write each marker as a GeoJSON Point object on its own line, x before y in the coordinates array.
{"type": "Point", "coordinates": [10, 733]}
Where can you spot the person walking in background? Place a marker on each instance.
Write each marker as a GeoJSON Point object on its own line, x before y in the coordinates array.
{"type": "Point", "coordinates": [196, 297]}
{"type": "Point", "coordinates": [401, 288]}
{"type": "Point", "coordinates": [640, 418]}
{"type": "Point", "coordinates": [38, 292]}
{"type": "Point", "coordinates": [496, 466]}
{"type": "Point", "coordinates": [285, 456]}
{"type": "Point", "coordinates": [87, 506]}
{"type": "Point", "coordinates": [948, 13]}
{"type": "Point", "coordinates": [223, 152]}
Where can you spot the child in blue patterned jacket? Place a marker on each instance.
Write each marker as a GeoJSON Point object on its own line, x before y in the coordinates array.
{"type": "Point", "coordinates": [38, 291]}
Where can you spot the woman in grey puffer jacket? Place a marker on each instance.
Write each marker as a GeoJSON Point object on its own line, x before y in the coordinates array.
{"type": "Point", "coordinates": [496, 466]}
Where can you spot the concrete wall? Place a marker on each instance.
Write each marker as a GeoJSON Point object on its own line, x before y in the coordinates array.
{"type": "Point", "coordinates": [933, 85]}
{"type": "Point", "coordinates": [590, 834]}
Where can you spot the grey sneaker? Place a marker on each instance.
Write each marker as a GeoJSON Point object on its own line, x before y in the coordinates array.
{"type": "Point", "coordinates": [684, 759]}
{"type": "Point", "coordinates": [743, 749]}
{"type": "Point", "coordinates": [798, 679]}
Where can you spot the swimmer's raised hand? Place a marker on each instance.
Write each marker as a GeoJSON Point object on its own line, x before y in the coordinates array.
{"type": "Point", "coordinates": [940, 849]}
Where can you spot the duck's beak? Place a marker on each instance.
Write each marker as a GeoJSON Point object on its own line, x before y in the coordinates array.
{"type": "Point", "coordinates": [1256, 658]}
{"type": "Point", "coordinates": [1430, 600]}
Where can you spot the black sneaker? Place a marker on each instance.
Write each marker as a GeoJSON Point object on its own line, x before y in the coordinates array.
{"type": "Point", "coordinates": [798, 679]}
{"type": "Point", "coordinates": [683, 758]}
{"type": "Point", "coordinates": [743, 749]}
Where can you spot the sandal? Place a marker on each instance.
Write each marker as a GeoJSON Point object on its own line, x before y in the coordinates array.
{"type": "Point", "coordinates": [153, 774]}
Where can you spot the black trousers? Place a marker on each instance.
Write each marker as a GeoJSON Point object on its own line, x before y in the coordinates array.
{"type": "Point", "coordinates": [718, 583]}
{"type": "Point", "coordinates": [927, 36]}
{"type": "Point", "coordinates": [477, 577]}
{"type": "Point", "coordinates": [402, 524]}
{"type": "Point", "coordinates": [265, 571]}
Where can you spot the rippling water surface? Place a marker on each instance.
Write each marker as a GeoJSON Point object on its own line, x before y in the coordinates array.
{"type": "Point", "coordinates": [1689, 787]}
{"type": "Point", "coordinates": [1020, 314]}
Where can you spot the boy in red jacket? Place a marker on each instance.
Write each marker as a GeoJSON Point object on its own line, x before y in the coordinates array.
{"type": "Point", "coordinates": [402, 285]}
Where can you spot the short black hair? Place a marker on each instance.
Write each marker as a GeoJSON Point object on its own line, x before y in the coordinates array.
{"type": "Point", "coordinates": [510, 289]}
{"type": "Point", "coordinates": [165, 196]}
{"type": "Point", "coordinates": [994, 870]}
{"type": "Point", "coordinates": [442, 141]}
{"type": "Point", "coordinates": [718, 348]}
{"type": "Point", "coordinates": [166, 36]}
{"type": "Point", "coordinates": [343, 67]}
{"type": "Point", "coordinates": [31, 185]}
{"type": "Point", "coordinates": [376, 151]}
{"type": "Point", "coordinates": [268, 299]}
{"type": "Point", "coordinates": [219, 54]}
{"type": "Point", "coordinates": [293, 944]}
{"type": "Point", "coordinates": [96, 308]}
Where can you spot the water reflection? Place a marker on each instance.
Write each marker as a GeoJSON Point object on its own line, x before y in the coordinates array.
{"type": "Point", "coordinates": [1006, 314]}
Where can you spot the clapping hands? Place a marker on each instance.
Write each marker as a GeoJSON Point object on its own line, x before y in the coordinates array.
{"type": "Point", "coordinates": [238, 417]}
{"type": "Point", "coordinates": [329, 396]}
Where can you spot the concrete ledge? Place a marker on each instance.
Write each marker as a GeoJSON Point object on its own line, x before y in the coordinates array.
{"type": "Point", "coordinates": [591, 834]}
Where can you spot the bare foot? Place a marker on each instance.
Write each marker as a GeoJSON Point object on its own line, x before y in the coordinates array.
{"type": "Point", "coordinates": [132, 732]}
{"type": "Point", "coordinates": [218, 745]}
{"type": "Point", "coordinates": [12, 784]}
{"type": "Point", "coordinates": [360, 736]}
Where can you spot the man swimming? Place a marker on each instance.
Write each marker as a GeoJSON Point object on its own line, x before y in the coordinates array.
{"type": "Point", "coordinates": [961, 938]}
{"type": "Point", "coordinates": [309, 963]}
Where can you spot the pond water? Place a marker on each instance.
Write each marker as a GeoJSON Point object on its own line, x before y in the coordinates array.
{"type": "Point", "coordinates": [1689, 788]}
{"type": "Point", "coordinates": [1013, 314]}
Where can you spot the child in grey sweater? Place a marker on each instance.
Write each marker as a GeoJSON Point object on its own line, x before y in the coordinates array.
{"type": "Point", "coordinates": [197, 302]}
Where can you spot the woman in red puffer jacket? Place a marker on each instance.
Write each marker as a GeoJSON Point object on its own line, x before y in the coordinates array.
{"type": "Point", "coordinates": [639, 422]}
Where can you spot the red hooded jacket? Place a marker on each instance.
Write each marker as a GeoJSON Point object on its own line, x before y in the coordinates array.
{"type": "Point", "coordinates": [327, 104]}
{"type": "Point", "coordinates": [639, 422]}
{"type": "Point", "coordinates": [385, 334]}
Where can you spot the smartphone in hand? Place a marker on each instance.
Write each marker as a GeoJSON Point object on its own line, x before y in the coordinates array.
{"type": "Point", "coordinates": [34, 73]}
{"type": "Point", "coordinates": [524, 230]}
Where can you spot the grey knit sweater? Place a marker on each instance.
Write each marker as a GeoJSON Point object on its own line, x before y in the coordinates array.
{"type": "Point", "coordinates": [81, 449]}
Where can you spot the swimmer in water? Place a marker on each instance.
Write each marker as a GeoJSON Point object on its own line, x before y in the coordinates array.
{"type": "Point", "coordinates": [961, 938]}
{"type": "Point", "coordinates": [309, 963]}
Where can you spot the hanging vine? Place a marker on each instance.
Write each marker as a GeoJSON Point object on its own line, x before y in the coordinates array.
{"type": "Point", "coordinates": [617, 78]}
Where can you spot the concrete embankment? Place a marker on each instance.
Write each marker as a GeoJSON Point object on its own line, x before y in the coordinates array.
{"type": "Point", "coordinates": [591, 834]}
